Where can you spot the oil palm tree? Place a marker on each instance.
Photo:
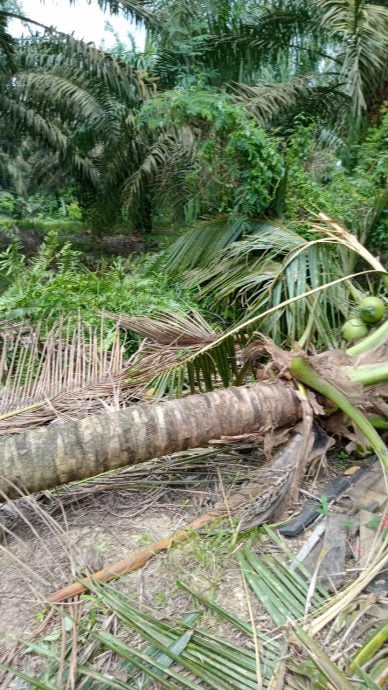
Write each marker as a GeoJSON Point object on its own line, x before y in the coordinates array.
{"type": "Point", "coordinates": [324, 58]}
{"type": "Point", "coordinates": [328, 42]}
{"type": "Point", "coordinates": [77, 101]}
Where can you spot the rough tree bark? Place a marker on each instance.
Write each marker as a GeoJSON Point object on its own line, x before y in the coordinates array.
{"type": "Point", "coordinates": [58, 454]}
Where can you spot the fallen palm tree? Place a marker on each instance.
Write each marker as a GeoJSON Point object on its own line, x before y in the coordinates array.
{"type": "Point", "coordinates": [60, 453]}
{"type": "Point", "coordinates": [48, 457]}
{"type": "Point", "coordinates": [342, 391]}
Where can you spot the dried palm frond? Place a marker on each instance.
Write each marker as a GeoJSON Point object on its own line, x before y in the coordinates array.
{"type": "Point", "coordinates": [172, 338]}
{"type": "Point", "coordinates": [337, 233]}
{"type": "Point", "coordinates": [77, 371]}
{"type": "Point", "coordinates": [334, 607]}
{"type": "Point", "coordinates": [182, 329]}
{"type": "Point", "coordinates": [70, 371]}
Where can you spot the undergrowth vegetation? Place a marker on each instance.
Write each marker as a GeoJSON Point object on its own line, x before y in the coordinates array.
{"type": "Point", "coordinates": [56, 284]}
{"type": "Point", "coordinates": [350, 187]}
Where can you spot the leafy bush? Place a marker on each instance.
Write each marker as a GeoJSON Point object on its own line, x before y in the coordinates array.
{"type": "Point", "coordinates": [47, 224]}
{"type": "Point", "coordinates": [7, 204]}
{"type": "Point", "coordinates": [351, 195]}
{"type": "Point", "coordinates": [40, 206]}
{"type": "Point", "coordinates": [229, 164]}
{"type": "Point", "coordinates": [57, 284]}
{"type": "Point", "coordinates": [372, 153]}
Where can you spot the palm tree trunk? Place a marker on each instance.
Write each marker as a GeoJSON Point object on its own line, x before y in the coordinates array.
{"type": "Point", "coordinates": [48, 457]}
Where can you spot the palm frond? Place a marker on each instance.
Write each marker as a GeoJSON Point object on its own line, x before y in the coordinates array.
{"type": "Point", "coordinates": [208, 657]}
{"type": "Point", "coordinates": [322, 662]}
{"type": "Point", "coordinates": [79, 370]}
{"type": "Point", "coordinates": [49, 133]}
{"type": "Point", "coordinates": [207, 366]}
{"type": "Point", "coordinates": [163, 364]}
{"type": "Point", "coordinates": [362, 32]}
{"type": "Point", "coordinates": [283, 592]}
{"type": "Point", "coordinates": [140, 10]}
{"type": "Point", "coordinates": [7, 43]}
{"type": "Point", "coordinates": [53, 89]}
{"type": "Point", "coordinates": [200, 244]}
{"type": "Point", "coordinates": [270, 267]}
{"type": "Point", "coordinates": [233, 42]}
{"type": "Point", "coordinates": [154, 160]}
{"type": "Point", "coordinates": [303, 94]}
{"type": "Point", "coordinates": [185, 329]}
{"type": "Point", "coordinates": [71, 371]}
{"type": "Point", "coordinates": [34, 122]}
{"type": "Point", "coordinates": [76, 99]}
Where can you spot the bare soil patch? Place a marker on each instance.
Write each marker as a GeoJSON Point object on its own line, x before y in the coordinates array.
{"type": "Point", "coordinates": [55, 539]}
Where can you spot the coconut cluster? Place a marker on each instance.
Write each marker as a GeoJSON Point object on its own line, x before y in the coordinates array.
{"type": "Point", "coordinates": [370, 311]}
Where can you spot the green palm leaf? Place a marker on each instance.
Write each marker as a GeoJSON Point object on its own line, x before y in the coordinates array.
{"type": "Point", "coordinates": [200, 244]}
{"type": "Point", "coordinates": [7, 42]}
{"type": "Point", "coordinates": [360, 30]}
{"type": "Point", "coordinates": [273, 265]}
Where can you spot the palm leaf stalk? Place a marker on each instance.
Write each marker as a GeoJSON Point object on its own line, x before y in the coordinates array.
{"type": "Point", "coordinates": [307, 375]}
{"type": "Point", "coordinates": [379, 422]}
{"type": "Point", "coordinates": [368, 374]}
{"type": "Point", "coordinates": [331, 672]}
{"type": "Point", "coordinates": [371, 342]}
{"type": "Point", "coordinates": [370, 648]}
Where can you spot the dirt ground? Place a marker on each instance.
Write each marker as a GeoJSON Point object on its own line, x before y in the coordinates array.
{"type": "Point", "coordinates": [51, 540]}
{"type": "Point", "coordinates": [47, 546]}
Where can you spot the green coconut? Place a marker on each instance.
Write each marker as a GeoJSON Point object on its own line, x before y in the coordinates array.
{"type": "Point", "coordinates": [354, 329]}
{"type": "Point", "coordinates": [372, 309]}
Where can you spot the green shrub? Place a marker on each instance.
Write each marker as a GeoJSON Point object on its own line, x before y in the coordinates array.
{"type": "Point", "coordinates": [55, 284]}
{"type": "Point", "coordinates": [7, 204]}
{"type": "Point", "coordinates": [347, 194]}
{"type": "Point", "coordinates": [234, 165]}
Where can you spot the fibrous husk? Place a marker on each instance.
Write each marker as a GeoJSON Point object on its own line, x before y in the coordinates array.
{"type": "Point", "coordinates": [331, 365]}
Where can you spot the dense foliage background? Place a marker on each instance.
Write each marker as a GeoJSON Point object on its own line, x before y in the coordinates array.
{"type": "Point", "coordinates": [218, 144]}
